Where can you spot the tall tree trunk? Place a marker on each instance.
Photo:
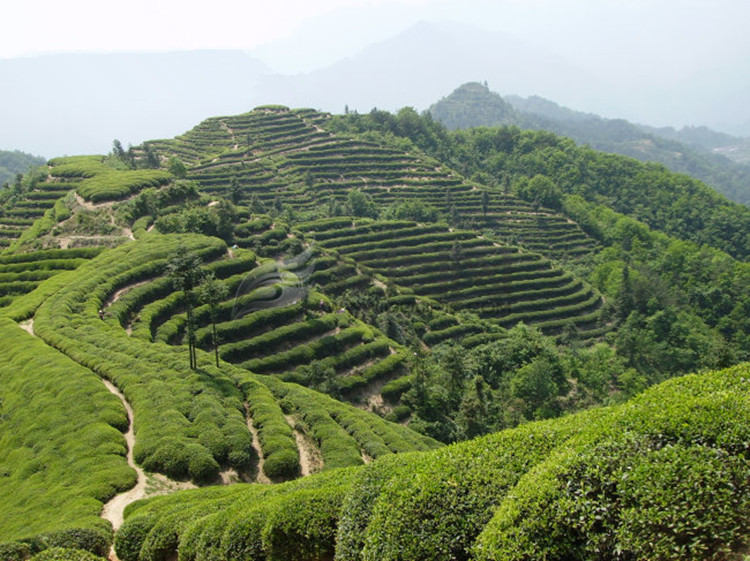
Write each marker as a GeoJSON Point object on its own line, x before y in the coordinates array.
{"type": "Point", "coordinates": [216, 343]}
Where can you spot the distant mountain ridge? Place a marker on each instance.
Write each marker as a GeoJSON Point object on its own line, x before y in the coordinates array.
{"type": "Point", "coordinates": [696, 151]}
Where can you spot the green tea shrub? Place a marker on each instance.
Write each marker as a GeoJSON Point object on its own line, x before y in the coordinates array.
{"type": "Point", "coordinates": [65, 554]}
{"type": "Point", "coordinates": [15, 551]}
{"type": "Point", "coordinates": [303, 525]}
{"type": "Point", "coordinates": [281, 465]}
{"type": "Point", "coordinates": [130, 536]}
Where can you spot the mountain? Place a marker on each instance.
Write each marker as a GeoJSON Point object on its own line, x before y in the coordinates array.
{"type": "Point", "coordinates": [407, 70]}
{"type": "Point", "coordinates": [473, 105]}
{"type": "Point", "coordinates": [696, 151]}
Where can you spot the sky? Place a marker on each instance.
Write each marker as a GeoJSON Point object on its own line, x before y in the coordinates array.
{"type": "Point", "coordinates": [673, 62]}
{"type": "Point", "coordinates": [676, 36]}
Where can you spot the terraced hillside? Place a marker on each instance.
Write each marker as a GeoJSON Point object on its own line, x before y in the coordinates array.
{"type": "Point", "coordinates": [22, 273]}
{"type": "Point", "coordinates": [42, 197]}
{"type": "Point", "coordinates": [274, 156]}
{"type": "Point", "coordinates": [271, 322]}
{"type": "Point", "coordinates": [210, 424]}
{"type": "Point", "coordinates": [617, 482]}
{"type": "Point", "coordinates": [215, 316]}
{"type": "Point", "coordinates": [468, 272]}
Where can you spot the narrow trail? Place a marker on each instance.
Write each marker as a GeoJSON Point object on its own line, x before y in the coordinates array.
{"type": "Point", "coordinates": [147, 485]}
{"type": "Point", "coordinates": [260, 477]}
{"type": "Point", "coordinates": [117, 295]}
{"type": "Point", "coordinates": [113, 510]}
{"type": "Point", "coordinates": [310, 460]}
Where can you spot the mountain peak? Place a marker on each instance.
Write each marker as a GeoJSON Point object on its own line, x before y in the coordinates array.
{"type": "Point", "coordinates": [473, 104]}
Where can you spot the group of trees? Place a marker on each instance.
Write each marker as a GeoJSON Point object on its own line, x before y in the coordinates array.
{"type": "Point", "coordinates": [132, 159]}
{"type": "Point", "coordinates": [457, 394]}
{"type": "Point", "coordinates": [184, 268]}
{"type": "Point", "coordinates": [14, 164]}
{"type": "Point", "coordinates": [677, 298]}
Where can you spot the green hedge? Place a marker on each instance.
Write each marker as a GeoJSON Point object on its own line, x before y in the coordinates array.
{"type": "Point", "coordinates": [62, 454]}
{"type": "Point", "coordinates": [661, 477]}
{"type": "Point", "coordinates": [155, 379]}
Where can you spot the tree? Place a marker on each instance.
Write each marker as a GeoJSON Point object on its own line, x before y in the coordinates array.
{"type": "Point", "coordinates": [152, 158]}
{"type": "Point", "coordinates": [118, 150]}
{"type": "Point", "coordinates": [176, 167]}
{"type": "Point", "coordinates": [213, 292]}
{"type": "Point", "coordinates": [361, 204]}
{"type": "Point", "coordinates": [184, 269]}
{"type": "Point", "coordinates": [235, 190]}
{"type": "Point", "coordinates": [485, 202]}
{"type": "Point", "coordinates": [541, 190]}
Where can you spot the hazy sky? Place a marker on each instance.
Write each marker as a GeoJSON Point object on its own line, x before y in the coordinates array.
{"type": "Point", "coordinates": [677, 36]}
{"type": "Point", "coordinates": [695, 53]}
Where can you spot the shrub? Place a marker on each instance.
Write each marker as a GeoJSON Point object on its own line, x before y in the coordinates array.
{"type": "Point", "coordinates": [281, 465]}
{"type": "Point", "coordinates": [65, 554]}
{"type": "Point", "coordinates": [303, 525]}
{"type": "Point", "coordinates": [130, 536]}
{"type": "Point", "coordinates": [14, 551]}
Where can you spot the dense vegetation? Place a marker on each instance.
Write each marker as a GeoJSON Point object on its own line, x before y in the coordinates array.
{"type": "Point", "coordinates": [631, 482]}
{"type": "Point", "coordinates": [695, 151]}
{"type": "Point", "coordinates": [14, 163]}
{"type": "Point", "coordinates": [235, 275]}
{"type": "Point", "coordinates": [61, 452]}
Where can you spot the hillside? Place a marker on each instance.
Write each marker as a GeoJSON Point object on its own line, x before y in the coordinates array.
{"type": "Point", "coordinates": [717, 159]}
{"type": "Point", "coordinates": [14, 163]}
{"type": "Point", "coordinates": [607, 483]}
{"type": "Point", "coordinates": [323, 302]}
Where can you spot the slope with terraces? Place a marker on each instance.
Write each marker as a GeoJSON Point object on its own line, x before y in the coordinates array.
{"type": "Point", "coordinates": [286, 157]}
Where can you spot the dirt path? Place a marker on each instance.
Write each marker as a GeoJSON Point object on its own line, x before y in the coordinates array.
{"type": "Point", "coordinates": [113, 510]}
{"type": "Point", "coordinates": [260, 477]}
{"type": "Point", "coordinates": [310, 460]}
{"type": "Point", "coordinates": [28, 326]}
{"type": "Point", "coordinates": [147, 485]}
{"type": "Point", "coordinates": [116, 296]}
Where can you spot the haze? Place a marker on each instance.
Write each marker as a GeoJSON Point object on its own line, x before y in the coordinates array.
{"type": "Point", "coordinates": [660, 63]}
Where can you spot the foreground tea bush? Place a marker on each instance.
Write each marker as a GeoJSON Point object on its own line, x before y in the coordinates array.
{"type": "Point", "coordinates": [664, 476]}
{"type": "Point", "coordinates": [62, 454]}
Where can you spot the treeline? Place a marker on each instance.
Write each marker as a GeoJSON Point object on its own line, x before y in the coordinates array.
{"type": "Point", "coordinates": [690, 150]}
{"type": "Point", "coordinates": [674, 302]}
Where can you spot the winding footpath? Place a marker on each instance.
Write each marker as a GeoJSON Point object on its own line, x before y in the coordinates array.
{"type": "Point", "coordinates": [113, 510]}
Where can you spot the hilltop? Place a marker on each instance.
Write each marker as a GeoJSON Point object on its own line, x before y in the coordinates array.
{"type": "Point", "coordinates": [332, 303]}
{"type": "Point", "coordinates": [718, 159]}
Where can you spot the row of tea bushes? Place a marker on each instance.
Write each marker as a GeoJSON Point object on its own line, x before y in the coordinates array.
{"type": "Point", "coordinates": [156, 380]}
{"type": "Point", "coordinates": [662, 477]}
{"type": "Point", "coordinates": [62, 454]}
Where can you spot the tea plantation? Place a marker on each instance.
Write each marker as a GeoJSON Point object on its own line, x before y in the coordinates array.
{"type": "Point", "coordinates": [286, 335]}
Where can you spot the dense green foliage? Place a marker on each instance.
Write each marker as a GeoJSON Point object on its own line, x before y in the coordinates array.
{"type": "Point", "coordinates": [102, 182]}
{"type": "Point", "coordinates": [15, 162]}
{"type": "Point", "coordinates": [691, 151]}
{"type": "Point", "coordinates": [61, 451]}
{"type": "Point", "coordinates": [676, 204]}
{"type": "Point", "coordinates": [358, 265]}
{"type": "Point", "coordinates": [629, 482]}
